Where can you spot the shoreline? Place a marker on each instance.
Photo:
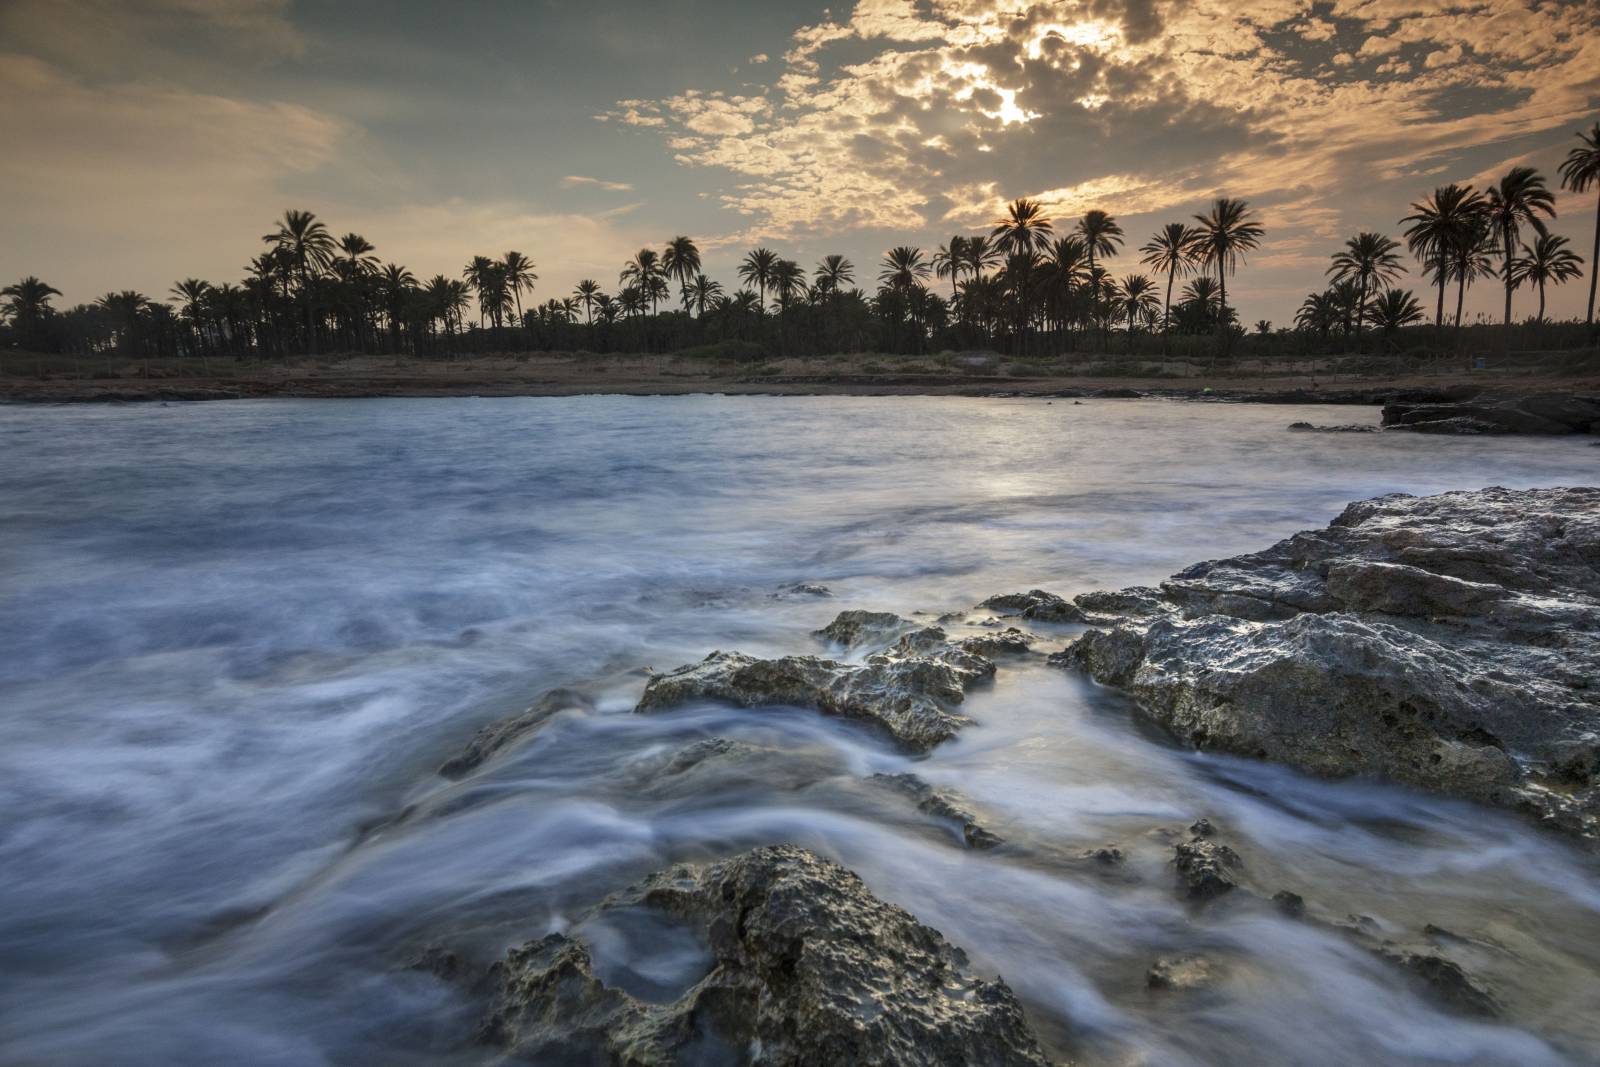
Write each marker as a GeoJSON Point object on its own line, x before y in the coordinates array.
{"type": "Point", "coordinates": [1287, 390]}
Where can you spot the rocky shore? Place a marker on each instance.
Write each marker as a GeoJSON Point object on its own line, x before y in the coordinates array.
{"type": "Point", "coordinates": [1449, 643]}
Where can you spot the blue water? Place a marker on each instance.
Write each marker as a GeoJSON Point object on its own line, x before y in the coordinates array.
{"type": "Point", "coordinates": [240, 638]}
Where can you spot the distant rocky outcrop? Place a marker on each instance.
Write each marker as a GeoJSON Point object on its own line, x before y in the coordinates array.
{"type": "Point", "coordinates": [807, 969]}
{"type": "Point", "coordinates": [1450, 642]}
{"type": "Point", "coordinates": [909, 690]}
{"type": "Point", "coordinates": [1541, 413]}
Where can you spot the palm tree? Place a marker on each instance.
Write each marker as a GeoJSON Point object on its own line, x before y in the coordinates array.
{"type": "Point", "coordinates": [1170, 251]}
{"type": "Point", "coordinates": [950, 260]}
{"type": "Point", "coordinates": [903, 268]}
{"type": "Point", "coordinates": [1438, 225]}
{"type": "Point", "coordinates": [192, 294]}
{"type": "Point", "coordinates": [519, 275]}
{"type": "Point", "coordinates": [1318, 313]}
{"type": "Point", "coordinates": [1394, 310]}
{"type": "Point", "coordinates": [1365, 258]}
{"type": "Point", "coordinates": [834, 273]}
{"type": "Point", "coordinates": [308, 246]}
{"type": "Point", "coordinates": [703, 293]}
{"type": "Point", "coordinates": [788, 280]}
{"type": "Point", "coordinates": [1579, 171]}
{"type": "Point", "coordinates": [588, 294]}
{"type": "Point", "coordinates": [982, 254]}
{"type": "Point", "coordinates": [357, 251]}
{"type": "Point", "coordinates": [644, 271]}
{"type": "Point", "coordinates": [1517, 200]}
{"type": "Point", "coordinates": [681, 261]}
{"type": "Point", "coordinates": [1549, 261]}
{"type": "Point", "coordinates": [1136, 297]}
{"type": "Point", "coordinates": [396, 285]}
{"type": "Point", "coordinates": [1226, 232]}
{"type": "Point", "coordinates": [27, 304]}
{"type": "Point", "coordinates": [756, 270]}
{"type": "Point", "coordinates": [1470, 258]}
{"type": "Point", "coordinates": [1021, 235]}
{"type": "Point", "coordinates": [124, 309]}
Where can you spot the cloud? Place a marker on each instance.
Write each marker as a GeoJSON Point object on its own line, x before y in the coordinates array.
{"type": "Point", "coordinates": [572, 181]}
{"type": "Point", "coordinates": [901, 113]}
{"type": "Point", "coordinates": [759, 57]}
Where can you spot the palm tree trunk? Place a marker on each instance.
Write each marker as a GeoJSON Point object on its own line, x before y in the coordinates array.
{"type": "Point", "coordinates": [1541, 301]}
{"type": "Point", "coordinates": [1594, 265]}
{"type": "Point", "coordinates": [1507, 266]}
{"type": "Point", "coordinates": [1438, 318]}
{"type": "Point", "coordinates": [1166, 315]}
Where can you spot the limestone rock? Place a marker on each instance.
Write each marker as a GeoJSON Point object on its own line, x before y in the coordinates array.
{"type": "Point", "coordinates": [1448, 642]}
{"type": "Point", "coordinates": [807, 966]}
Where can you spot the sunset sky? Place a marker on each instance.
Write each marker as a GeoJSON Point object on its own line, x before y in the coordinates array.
{"type": "Point", "coordinates": [142, 141]}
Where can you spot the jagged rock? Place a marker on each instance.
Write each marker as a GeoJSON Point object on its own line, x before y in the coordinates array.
{"type": "Point", "coordinates": [853, 629]}
{"type": "Point", "coordinates": [1449, 642]}
{"type": "Point", "coordinates": [1180, 972]}
{"type": "Point", "coordinates": [807, 966]}
{"type": "Point", "coordinates": [803, 591]}
{"type": "Point", "coordinates": [1547, 413]}
{"type": "Point", "coordinates": [497, 735]}
{"type": "Point", "coordinates": [1349, 427]}
{"type": "Point", "coordinates": [1037, 606]}
{"type": "Point", "coordinates": [1444, 978]}
{"type": "Point", "coordinates": [1008, 642]}
{"type": "Point", "coordinates": [906, 690]}
{"type": "Point", "coordinates": [1205, 868]}
{"type": "Point", "coordinates": [941, 804]}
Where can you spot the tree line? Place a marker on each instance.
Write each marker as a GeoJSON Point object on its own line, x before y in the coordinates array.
{"type": "Point", "coordinates": [1031, 285]}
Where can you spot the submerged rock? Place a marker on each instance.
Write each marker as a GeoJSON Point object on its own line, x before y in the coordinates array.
{"type": "Point", "coordinates": [941, 804]}
{"type": "Point", "coordinates": [1037, 606]}
{"type": "Point", "coordinates": [497, 735]}
{"type": "Point", "coordinates": [1449, 642]}
{"type": "Point", "coordinates": [807, 969]}
{"type": "Point", "coordinates": [1348, 427]}
{"type": "Point", "coordinates": [907, 690]}
{"type": "Point", "coordinates": [1180, 972]}
{"type": "Point", "coordinates": [1206, 868]}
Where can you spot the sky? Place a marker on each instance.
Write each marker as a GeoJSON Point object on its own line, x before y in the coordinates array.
{"type": "Point", "coordinates": [145, 141]}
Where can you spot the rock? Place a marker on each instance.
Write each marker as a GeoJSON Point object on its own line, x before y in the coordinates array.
{"type": "Point", "coordinates": [1008, 642]}
{"type": "Point", "coordinates": [1180, 972]}
{"type": "Point", "coordinates": [906, 690]}
{"type": "Point", "coordinates": [941, 804]}
{"type": "Point", "coordinates": [803, 591]}
{"type": "Point", "coordinates": [497, 735]}
{"type": "Point", "coordinates": [1444, 979]}
{"type": "Point", "coordinates": [1036, 605]}
{"type": "Point", "coordinates": [1291, 904]}
{"type": "Point", "coordinates": [1108, 855]}
{"type": "Point", "coordinates": [1448, 642]}
{"type": "Point", "coordinates": [1547, 413]}
{"type": "Point", "coordinates": [1205, 868]}
{"type": "Point", "coordinates": [1349, 427]}
{"type": "Point", "coordinates": [853, 629]}
{"type": "Point", "coordinates": [807, 967]}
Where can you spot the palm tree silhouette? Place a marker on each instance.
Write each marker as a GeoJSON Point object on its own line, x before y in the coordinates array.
{"type": "Point", "coordinates": [1021, 235]}
{"type": "Point", "coordinates": [192, 294]}
{"type": "Point", "coordinates": [1439, 224]}
{"type": "Point", "coordinates": [1136, 297]}
{"type": "Point", "coordinates": [308, 246]}
{"type": "Point", "coordinates": [1547, 262]}
{"type": "Point", "coordinates": [1470, 258]}
{"type": "Point", "coordinates": [1170, 251]}
{"type": "Point", "coordinates": [1367, 257]}
{"type": "Point", "coordinates": [950, 260]}
{"type": "Point", "coordinates": [1517, 200]}
{"type": "Point", "coordinates": [1226, 232]}
{"type": "Point", "coordinates": [681, 261]}
{"type": "Point", "coordinates": [588, 293]}
{"type": "Point", "coordinates": [519, 276]}
{"type": "Point", "coordinates": [396, 287]}
{"type": "Point", "coordinates": [903, 268]}
{"type": "Point", "coordinates": [703, 293]}
{"type": "Point", "coordinates": [756, 270]}
{"type": "Point", "coordinates": [834, 273]}
{"type": "Point", "coordinates": [644, 271]}
{"type": "Point", "coordinates": [1394, 310]}
{"type": "Point", "coordinates": [27, 305]}
{"type": "Point", "coordinates": [1579, 171]}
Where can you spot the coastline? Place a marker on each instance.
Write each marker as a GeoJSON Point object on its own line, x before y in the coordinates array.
{"type": "Point", "coordinates": [657, 378]}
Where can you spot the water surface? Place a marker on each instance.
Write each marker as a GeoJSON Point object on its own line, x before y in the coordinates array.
{"type": "Point", "coordinates": [241, 637]}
